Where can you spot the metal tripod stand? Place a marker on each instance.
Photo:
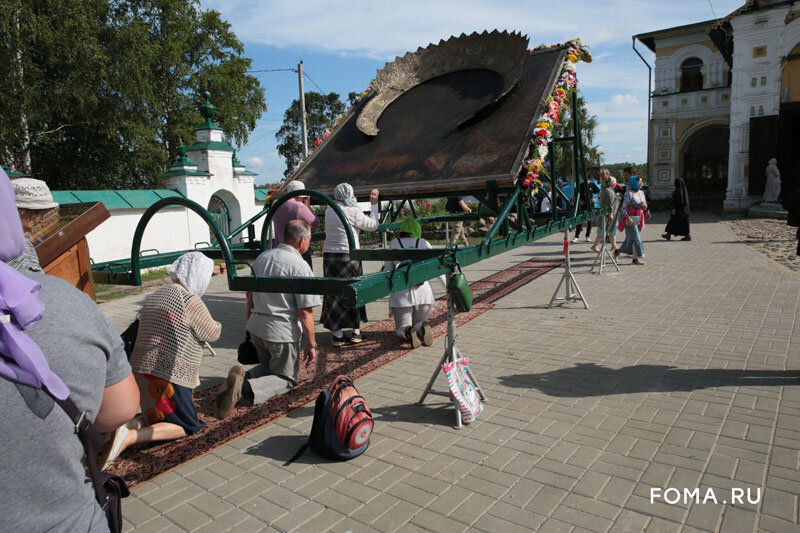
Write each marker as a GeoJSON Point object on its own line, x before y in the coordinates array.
{"type": "Point", "coordinates": [605, 254]}
{"type": "Point", "coordinates": [451, 354]}
{"type": "Point", "coordinates": [572, 293]}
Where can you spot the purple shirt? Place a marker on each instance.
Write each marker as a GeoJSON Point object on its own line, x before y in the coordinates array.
{"type": "Point", "coordinates": [291, 210]}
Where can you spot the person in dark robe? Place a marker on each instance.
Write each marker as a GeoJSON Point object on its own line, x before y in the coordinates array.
{"type": "Point", "coordinates": [678, 223]}
{"type": "Point", "coordinates": [792, 205]}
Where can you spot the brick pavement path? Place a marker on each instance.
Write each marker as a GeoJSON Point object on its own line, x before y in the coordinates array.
{"type": "Point", "coordinates": [678, 376]}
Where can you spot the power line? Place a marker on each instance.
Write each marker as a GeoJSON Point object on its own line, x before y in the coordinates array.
{"type": "Point", "coordinates": [273, 70]}
{"type": "Point", "coordinates": [712, 8]}
{"type": "Point", "coordinates": [315, 83]}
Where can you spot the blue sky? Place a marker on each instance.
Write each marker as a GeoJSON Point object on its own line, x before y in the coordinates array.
{"type": "Point", "coordinates": [342, 44]}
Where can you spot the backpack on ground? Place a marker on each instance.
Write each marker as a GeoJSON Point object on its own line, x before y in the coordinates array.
{"type": "Point", "coordinates": [342, 423]}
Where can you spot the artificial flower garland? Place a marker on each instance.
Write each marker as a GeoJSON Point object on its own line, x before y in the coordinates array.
{"type": "Point", "coordinates": [543, 131]}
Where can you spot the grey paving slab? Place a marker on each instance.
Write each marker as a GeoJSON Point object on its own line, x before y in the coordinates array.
{"type": "Point", "coordinates": [683, 374]}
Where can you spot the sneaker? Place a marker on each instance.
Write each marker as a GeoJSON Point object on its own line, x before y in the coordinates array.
{"type": "Point", "coordinates": [230, 393]}
{"type": "Point", "coordinates": [637, 261]}
{"type": "Point", "coordinates": [576, 239]}
{"type": "Point", "coordinates": [616, 252]}
{"type": "Point", "coordinates": [114, 447]}
{"type": "Point", "coordinates": [413, 337]}
{"type": "Point", "coordinates": [356, 338]}
{"type": "Point", "coordinates": [338, 341]}
{"type": "Point", "coordinates": [426, 334]}
{"type": "Point", "coordinates": [588, 239]}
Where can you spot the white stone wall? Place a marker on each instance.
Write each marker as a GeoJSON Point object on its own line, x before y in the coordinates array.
{"type": "Point", "coordinates": [178, 228]}
{"type": "Point", "coordinates": [167, 231]}
{"type": "Point", "coordinates": [756, 88]}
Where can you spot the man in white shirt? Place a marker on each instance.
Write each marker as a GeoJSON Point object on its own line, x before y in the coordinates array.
{"type": "Point", "coordinates": [277, 323]}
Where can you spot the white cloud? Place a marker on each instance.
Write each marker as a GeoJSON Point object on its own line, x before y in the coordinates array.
{"type": "Point", "coordinates": [255, 162]}
{"type": "Point", "coordinates": [384, 29]}
{"type": "Point", "coordinates": [622, 101]}
{"type": "Point", "coordinates": [615, 83]}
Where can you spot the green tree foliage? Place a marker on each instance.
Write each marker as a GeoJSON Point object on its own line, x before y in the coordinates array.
{"type": "Point", "coordinates": [100, 91]}
{"type": "Point", "coordinates": [616, 169]}
{"type": "Point", "coordinates": [322, 110]}
{"type": "Point", "coordinates": [593, 157]}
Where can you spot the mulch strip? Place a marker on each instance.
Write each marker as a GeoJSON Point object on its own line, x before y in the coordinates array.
{"type": "Point", "coordinates": [382, 346]}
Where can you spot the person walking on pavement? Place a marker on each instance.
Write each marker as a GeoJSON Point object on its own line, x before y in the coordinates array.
{"type": "Point", "coordinates": [679, 218]}
{"type": "Point", "coordinates": [456, 205]}
{"type": "Point", "coordinates": [608, 200]}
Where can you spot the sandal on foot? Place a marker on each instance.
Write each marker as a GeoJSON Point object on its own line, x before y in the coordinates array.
{"type": "Point", "coordinates": [426, 334]}
{"type": "Point", "coordinates": [114, 447]}
{"type": "Point", "coordinates": [413, 337]}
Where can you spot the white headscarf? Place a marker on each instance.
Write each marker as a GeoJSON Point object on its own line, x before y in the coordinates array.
{"type": "Point", "coordinates": [193, 270]}
{"type": "Point", "coordinates": [343, 193]}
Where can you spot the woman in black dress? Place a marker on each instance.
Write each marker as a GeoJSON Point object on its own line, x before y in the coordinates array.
{"type": "Point", "coordinates": [679, 220]}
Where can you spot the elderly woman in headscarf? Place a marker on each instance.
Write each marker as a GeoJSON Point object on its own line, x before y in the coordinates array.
{"type": "Point", "coordinates": [174, 323]}
{"type": "Point", "coordinates": [678, 223]}
{"type": "Point", "coordinates": [772, 189]}
{"type": "Point", "coordinates": [634, 204]}
{"type": "Point", "coordinates": [336, 261]}
{"type": "Point", "coordinates": [411, 307]}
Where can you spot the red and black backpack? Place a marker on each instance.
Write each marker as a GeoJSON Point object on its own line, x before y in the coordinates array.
{"type": "Point", "coordinates": [342, 422]}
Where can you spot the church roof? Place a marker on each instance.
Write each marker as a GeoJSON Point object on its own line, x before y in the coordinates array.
{"type": "Point", "coordinates": [116, 199]}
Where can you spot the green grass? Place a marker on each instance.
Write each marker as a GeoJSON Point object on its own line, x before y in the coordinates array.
{"type": "Point", "coordinates": [442, 242]}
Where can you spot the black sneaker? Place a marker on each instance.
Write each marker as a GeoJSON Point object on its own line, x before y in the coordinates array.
{"type": "Point", "coordinates": [356, 338]}
{"type": "Point", "coordinates": [338, 341]}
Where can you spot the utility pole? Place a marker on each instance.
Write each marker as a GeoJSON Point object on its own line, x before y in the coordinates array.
{"type": "Point", "coordinates": [303, 108]}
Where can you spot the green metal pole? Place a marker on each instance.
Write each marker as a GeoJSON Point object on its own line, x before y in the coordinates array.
{"type": "Point", "coordinates": [502, 216]}
{"type": "Point", "coordinates": [251, 221]}
{"type": "Point", "coordinates": [197, 208]}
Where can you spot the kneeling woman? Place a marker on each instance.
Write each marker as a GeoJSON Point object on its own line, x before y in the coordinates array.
{"type": "Point", "coordinates": [173, 325]}
{"type": "Point", "coordinates": [411, 307]}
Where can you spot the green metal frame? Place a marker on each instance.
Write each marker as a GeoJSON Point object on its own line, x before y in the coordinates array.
{"type": "Point", "coordinates": [413, 266]}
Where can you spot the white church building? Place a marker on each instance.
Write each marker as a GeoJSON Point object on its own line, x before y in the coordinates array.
{"type": "Point", "coordinates": [207, 172]}
{"type": "Point", "coordinates": [726, 99]}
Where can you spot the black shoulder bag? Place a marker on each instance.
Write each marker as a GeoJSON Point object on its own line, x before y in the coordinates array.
{"type": "Point", "coordinates": [109, 489]}
{"type": "Point", "coordinates": [129, 336]}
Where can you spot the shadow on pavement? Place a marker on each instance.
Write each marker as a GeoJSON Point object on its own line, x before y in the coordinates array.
{"type": "Point", "coordinates": [283, 447]}
{"type": "Point", "coordinates": [590, 379]}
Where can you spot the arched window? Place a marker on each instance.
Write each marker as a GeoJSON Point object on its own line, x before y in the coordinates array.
{"type": "Point", "coordinates": [691, 75]}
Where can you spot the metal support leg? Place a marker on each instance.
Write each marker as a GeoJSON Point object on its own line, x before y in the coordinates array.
{"type": "Point", "coordinates": [602, 258]}
{"type": "Point", "coordinates": [572, 293]}
{"type": "Point", "coordinates": [451, 354]}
